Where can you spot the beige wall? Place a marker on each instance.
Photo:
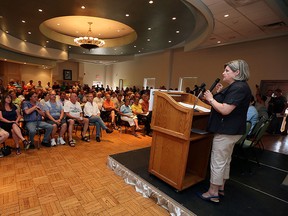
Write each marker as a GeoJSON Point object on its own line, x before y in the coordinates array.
{"type": "Point", "coordinates": [150, 66]}
{"type": "Point", "coordinates": [9, 70]}
{"type": "Point", "coordinates": [36, 74]}
{"type": "Point", "coordinates": [93, 72]}
{"type": "Point", "coordinates": [267, 60]}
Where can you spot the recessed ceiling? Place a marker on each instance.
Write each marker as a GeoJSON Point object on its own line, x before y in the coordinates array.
{"type": "Point", "coordinates": [163, 25]}
{"type": "Point", "coordinates": [158, 26]}
{"type": "Point", "coordinates": [65, 29]}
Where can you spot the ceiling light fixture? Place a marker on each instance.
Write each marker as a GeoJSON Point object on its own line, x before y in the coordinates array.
{"type": "Point", "coordinates": [89, 42]}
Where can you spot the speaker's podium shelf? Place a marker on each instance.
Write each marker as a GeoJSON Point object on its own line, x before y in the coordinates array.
{"type": "Point", "coordinates": [180, 146]}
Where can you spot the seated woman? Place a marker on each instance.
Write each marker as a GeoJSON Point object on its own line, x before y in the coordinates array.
{"type": "Point", "coordinates": [127, 115]}
{"type": "Point", "coordinates": [9, 119]}
{"type": "Point", "coordinates": [55, 115]}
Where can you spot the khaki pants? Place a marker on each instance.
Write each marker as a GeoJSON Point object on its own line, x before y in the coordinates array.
{"type": "Point", "coordinates": [221, 157]}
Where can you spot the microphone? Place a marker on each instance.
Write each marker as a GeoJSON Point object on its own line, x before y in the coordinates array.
{"type": "Point", "coordinates": [201, 89]}
{"type": "Point", "coordinates": [214, 84]}
{"type": "Point", "coordinates": [195, 88]}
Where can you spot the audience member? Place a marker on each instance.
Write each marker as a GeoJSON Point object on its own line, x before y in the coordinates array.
{"type": "Point", "coordinates": [127, 115]}
{"type": "Point", "coordinates": [33, 113]}
{"type": "Point", "coordinates": [39, 86]}
{"type": "Point", "coordinates": [277, 106]}
{"type": "Point", "coordinates": [74, 115]}
{"type": "Point", "coordinates": [30, 86]}
{"type": "Point", "coordinates": [92, 112]}
{"type": "Point", "coordinates": [9, 121]}
{"type": "Point", "coordinates": [145, 108]}
{"type": "Point", "coordinates": [99, 100]}
{"type": "Point", "coordinates": [109, 109]}
{"type": "Point", "coordinates": [55, 116]}
{"type": "Point", "coordinates": [252, 114]}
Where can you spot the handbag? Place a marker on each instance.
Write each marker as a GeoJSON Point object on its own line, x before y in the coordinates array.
{"type": "Point", "coordinates": [6, 150]}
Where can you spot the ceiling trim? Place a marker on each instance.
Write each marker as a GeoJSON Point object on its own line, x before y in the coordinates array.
{"type": "Point", "coordinates": [204, 24]}
{"type": "Point", "coordinates": [16, 45]}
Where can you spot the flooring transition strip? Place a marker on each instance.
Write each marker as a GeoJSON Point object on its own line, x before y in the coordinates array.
{"type": "Point", "coordinates": [147, 190]}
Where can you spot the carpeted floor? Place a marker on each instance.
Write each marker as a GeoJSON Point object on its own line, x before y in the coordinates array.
{"type": "Point", "coordinates": [258, 193]}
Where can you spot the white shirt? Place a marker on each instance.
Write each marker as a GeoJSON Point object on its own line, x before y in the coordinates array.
{"type": "Point", "coordinates": [73, 109]}
{"type": "Point", "coordinates": [91, 109]}
{"type": "Point", "coordinates": [99, 102]}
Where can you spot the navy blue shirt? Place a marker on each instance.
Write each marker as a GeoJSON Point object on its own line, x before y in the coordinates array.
{"type": "Point", "coordinates": [238, 94]}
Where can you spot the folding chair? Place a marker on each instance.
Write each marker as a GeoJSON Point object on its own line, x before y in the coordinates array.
{"type": "Point", "coordinates": [249, 146]}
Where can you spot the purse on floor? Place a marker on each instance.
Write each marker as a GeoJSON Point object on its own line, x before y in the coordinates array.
{"type": "Point", "coordinates": [6, 150]}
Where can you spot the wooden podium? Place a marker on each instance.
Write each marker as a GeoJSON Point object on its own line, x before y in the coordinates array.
{"type": "Point", "coordinates": [179, 156]}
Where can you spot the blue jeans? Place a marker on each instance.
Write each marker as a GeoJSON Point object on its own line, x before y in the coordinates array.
{"type": "Point", "coordinates": [97, 120]}
{"type": "Point", "coordinates": [31, 127]}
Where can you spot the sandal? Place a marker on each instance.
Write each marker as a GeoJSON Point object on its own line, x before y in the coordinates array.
{"type": "Point", "coordinates": [85, 138]}
{"type": "Point", "coordinates": [71, 143]}
{"type": "Point", "coordinates": [18, 151]}
{"type": "Point", "coordinates": [213, 199]}
{"type": "Point", "coordinates": [221, 193]}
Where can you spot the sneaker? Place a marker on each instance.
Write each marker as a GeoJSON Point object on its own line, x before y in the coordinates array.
{"type": "Point", "coordinates": [26, 144]}
{"type": "Point", "coordinates": [98, 139]}
{"type": "Point", "coordinates": [60, 141]}
{"type": "Point", "coordinates": [1, 155]}
{"type": "Point", "coordinates": [53, 143]}
{"type": "Point", "coordinates": [45, 144]}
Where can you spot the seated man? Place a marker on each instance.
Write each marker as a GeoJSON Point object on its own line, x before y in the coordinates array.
{"type": "Point", "coordinates": [92, 112]}
{"type": "Point", "coordinates": [109, 109]}
{"type": "Point", "coordinates": [55, 116]}
{"type": "Point", "coordinates": [33, 114]}
{"type": "Point", "coordinates": [99, 100]}
{"type": "Point", "coordinates": [74, 114]}
{"type": "Point", "coordinates": [127, 115]}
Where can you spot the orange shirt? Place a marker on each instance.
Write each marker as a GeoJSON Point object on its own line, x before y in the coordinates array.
{"type": "Point", "coordinates": [108, 105]}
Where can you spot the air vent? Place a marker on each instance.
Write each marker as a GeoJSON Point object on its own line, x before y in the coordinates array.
{"type": "Point", "coordinates": [276, 25]}
{"type": "Point", "coordinates": [239, 3]}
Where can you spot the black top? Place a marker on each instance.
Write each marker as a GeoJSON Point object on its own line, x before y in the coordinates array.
{"type": "Point", "coordinates": [10, 115]}
{"type": "Point", "coordinates": [238, 94]}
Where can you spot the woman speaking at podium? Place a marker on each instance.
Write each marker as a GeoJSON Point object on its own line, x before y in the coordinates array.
{"type": "Point", "coordinates": [227, 122]}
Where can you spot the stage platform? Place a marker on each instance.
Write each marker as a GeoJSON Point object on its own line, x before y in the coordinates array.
{"type": "Point", "coordinates": [260, 193]}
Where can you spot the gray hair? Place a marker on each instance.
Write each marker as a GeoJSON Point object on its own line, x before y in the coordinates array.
{"type": "Point", "coordinates": [243, 68]}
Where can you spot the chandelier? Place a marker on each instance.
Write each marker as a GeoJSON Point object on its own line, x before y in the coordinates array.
{"type": "Point", "coordinates": [89, 42]}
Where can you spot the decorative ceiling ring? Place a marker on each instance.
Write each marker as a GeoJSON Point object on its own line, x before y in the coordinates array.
{"type": "Point", "coordinates": [66, 29]}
